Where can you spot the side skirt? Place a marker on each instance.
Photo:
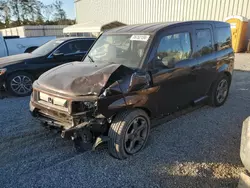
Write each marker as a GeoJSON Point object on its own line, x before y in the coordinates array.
{"type": "Point", "coordinates": [194, 106]}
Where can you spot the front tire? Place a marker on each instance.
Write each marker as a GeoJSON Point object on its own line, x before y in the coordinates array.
{"type": "Point", "coordinates": [20, 84]}
{"type": "Point", "coordinates": [128, 133]}
{"type": "Point", "coordinates": [220, 90]}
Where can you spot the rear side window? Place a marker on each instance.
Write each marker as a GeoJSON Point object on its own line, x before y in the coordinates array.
{"type": "Point", "coordinates": [84, 45]}
{"type": "Point", "coordinates": [176, 47]}
{"type": "Point", "coordinates": [223, 38]}
{"type": "Point", "coordinates": [77, 46]}
{"type": "Point", "coordinates": [204, 42]}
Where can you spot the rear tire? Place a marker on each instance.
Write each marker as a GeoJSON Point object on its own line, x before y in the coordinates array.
{"type": "Point", "coordinates": [128, 133]}
{"type": "Point", "coordinates": [20, 84]}
{"type": "Point", "coordinates": [219, 91]}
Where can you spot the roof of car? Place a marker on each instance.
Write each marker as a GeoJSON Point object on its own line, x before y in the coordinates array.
{"type": "Point", "coordinates": [154, 27]}
{"type": "Point", "coordinates": [63, 39]}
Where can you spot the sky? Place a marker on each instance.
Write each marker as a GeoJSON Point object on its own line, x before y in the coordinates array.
{"type": "Point", "coordinates": [68, 6]}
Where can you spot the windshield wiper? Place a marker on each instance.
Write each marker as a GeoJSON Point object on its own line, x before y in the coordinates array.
{"type": "Point", "coordinates": [91, 59]}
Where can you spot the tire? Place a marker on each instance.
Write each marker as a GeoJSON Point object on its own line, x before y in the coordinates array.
{"type": "Point", "coordinates": [214, 100]}
{"type": "Point", "coordinates": [128, 133]}
{"type": "Point", "coordinates": [24, 80]}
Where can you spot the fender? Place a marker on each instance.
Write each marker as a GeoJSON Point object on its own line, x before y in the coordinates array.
{"type": "Point", "coordinates": [225, 68]}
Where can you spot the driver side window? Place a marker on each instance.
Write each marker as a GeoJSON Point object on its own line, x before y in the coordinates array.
{"type": "Point", "coordinates": [174, 47]}
{"type": "Point", "coordinates": [68, 48]}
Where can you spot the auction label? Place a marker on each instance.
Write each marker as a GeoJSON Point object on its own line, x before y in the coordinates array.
{"type": "Point", "coordinates": [140, 37]}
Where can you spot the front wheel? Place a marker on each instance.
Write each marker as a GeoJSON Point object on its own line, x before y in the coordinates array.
{"type": "Point", "coordinates": [220, 90]}
{"type": "Point", "coordinates": [20, 84]}
{"type": "Point", "coordinates": [128, 133]}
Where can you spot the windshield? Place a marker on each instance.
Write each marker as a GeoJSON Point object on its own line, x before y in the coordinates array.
{"type": "Point", "coordinates": [47, 47]}
{"type": "Point", "coordinates": [125, 49]}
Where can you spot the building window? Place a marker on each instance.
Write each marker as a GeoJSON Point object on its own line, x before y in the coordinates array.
{"type": "Point", "coordinates": [223, 38]}
{"type": "Point", "coordinates": [204, 42]}
{"type": "Point", "coordinates": [175, 47]}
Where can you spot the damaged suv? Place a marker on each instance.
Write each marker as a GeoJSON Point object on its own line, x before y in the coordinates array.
{"type": "Point", "coordinates": [132, 75]}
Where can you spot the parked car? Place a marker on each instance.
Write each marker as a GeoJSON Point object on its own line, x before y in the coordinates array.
{"type": "Point", "coordinates": [12, 45]}
{"type": "Point", "coordinates": [18, 72]}
{"type": "Point", "coordinates": [245, 154]}
{"type": "Point", "coordinates": [132, 75]}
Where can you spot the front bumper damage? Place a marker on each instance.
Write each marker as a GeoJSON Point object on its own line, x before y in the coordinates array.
{"type": "Point", "coordinates": [91, 132]}
{"type": "Point", "coordinates": [104, 90]}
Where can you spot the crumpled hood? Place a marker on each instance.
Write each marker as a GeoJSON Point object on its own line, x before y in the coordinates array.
{"type": "Point", "coordinates": [78, 78]}
{"type": "Point", "coordinates": [13, 59]}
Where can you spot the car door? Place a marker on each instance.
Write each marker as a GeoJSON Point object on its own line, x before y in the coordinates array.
{"type": "Point", "coordinates": [205, 55]}
{"type": "Point", "coordinates": [176, 82]}
{"type": "Point", "coordinates": [70, 51]}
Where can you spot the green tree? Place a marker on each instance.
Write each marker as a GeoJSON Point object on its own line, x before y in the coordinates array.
{"type": "Point", "coordinates": [31, 12]}
{"type": "Point", "coordinates": [48, 11]}
{"type": "Point", "coordinates": [60, 14]}
{"type": "Point", "coordinates": [15, 6]}
{"type": "Point", "coordinates": [5, 13]}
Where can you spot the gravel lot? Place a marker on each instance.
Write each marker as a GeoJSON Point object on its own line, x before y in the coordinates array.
{"type": "Point", "coordinates": [200, 149]}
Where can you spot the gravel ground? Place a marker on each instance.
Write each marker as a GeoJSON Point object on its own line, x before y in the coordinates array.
{"type": "Point", "coordinates": [200, 149]}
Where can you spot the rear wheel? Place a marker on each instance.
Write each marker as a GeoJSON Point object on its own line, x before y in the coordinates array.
{"type": "Point", "coordinates": [20, 84]}
{"type": "Point", "coordinates": [220, 91]}
{"type": "Point", "coordinates": [128, 133]}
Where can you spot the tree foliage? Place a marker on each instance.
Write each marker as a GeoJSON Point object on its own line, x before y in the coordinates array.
{"type": "Point", "coordinates": [31, 12]}
{"type": "Point", "coordinates": [59, 14]}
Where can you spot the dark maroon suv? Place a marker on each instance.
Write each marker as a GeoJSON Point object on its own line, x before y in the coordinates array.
{"type": "Point", "coordinates": [132, 75]}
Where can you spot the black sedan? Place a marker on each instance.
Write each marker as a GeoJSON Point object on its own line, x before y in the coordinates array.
{"type": "Point", "coordinates": [18, 72]}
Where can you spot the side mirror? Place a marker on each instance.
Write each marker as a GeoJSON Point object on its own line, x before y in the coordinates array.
{"type": "Point", "coordinates": [168, 62]}
{"type": "Point", "coordinates": [57, 55]}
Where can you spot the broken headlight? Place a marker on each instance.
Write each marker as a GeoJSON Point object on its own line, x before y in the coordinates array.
{"type": "Point", "coordinates": [80, 106]}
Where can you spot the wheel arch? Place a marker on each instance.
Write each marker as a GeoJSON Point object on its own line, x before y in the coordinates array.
{"type": "Point", "coordinates": [30, 49]}
{"type": "Point", "coordinates": [24, 71]}
{"type": "Point", "coordinates": [148, 112]}
{"type": "Point", "coordinates": [229, 75]}
{"type": "Point", "coordinates": [221, 73]}
{"type": "Point", "coordinates": [227, 70]}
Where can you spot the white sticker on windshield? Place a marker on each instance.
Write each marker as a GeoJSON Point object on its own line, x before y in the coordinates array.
{"type": "Point", "coordinates": [140, 37]}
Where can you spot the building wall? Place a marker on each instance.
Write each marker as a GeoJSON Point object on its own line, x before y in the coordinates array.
{"type": "Point", "coordinates": [145, 11]}
{"type": "Point", "coordinates": [34, 31]}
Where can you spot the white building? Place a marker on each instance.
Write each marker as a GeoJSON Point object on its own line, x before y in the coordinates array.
{"type": "Point", "coordinates": [92, 15]}
{"type": "Point", "coordinates": [34, 31]}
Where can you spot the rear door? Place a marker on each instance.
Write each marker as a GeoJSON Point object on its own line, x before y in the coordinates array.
{"type": "Point", "coordinates": [205, 55]}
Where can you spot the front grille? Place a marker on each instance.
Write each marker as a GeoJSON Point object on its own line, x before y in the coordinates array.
{"type": "Point", "coordinates": [55, 116]}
